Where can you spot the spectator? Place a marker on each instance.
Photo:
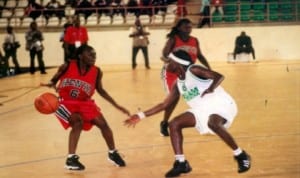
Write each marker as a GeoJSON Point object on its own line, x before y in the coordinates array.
{"type": "Point", "coordinates": [102, 8]}
{"type": "Point", "coordinates": [243, 44]}
{"type": "Point", "coordinates": [34, 38]}
{"type": "Point", "coordinates": [140, 41]}
{"type": "Point", "coordinates": [85, 7]}
{"type": "Point", "coordinates": [133, 7]}
{"type": "Point", "coordinates": [181, 9]}
{"type": "Point", "coordinates": [75, 36]}
{"type": "Point", "coordinates": [53, 8]}
{"type": "Point", "coordinates": [10, 47]}
{"type": "Point", "coordinates": [117, 8]}
{"type": "Point", "coordinates": [205, 14]}
{"type": "Point", "coordinates": [33, 9]}
{"type": "Point", "coordinates": [61, 39]}
{"type": "Point", "coordinates": [160, 6]}
{"type": "Point", "coordinates": [146, 9]}
{"type": "Point", "coordinates": [216, 5]}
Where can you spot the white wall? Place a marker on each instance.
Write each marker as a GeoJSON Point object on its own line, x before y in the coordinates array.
{"type": "Point", "coordinates": [114, 47]}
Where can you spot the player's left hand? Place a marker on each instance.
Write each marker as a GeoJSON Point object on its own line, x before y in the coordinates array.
{"type": "Point", "coordinates": [132, 121]}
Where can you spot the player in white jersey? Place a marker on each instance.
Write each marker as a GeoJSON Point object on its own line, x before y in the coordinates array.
{"type": "Point", "coordinates": [212, 110]}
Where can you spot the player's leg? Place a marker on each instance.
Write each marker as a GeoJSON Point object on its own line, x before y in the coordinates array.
{"type": "Point", "coordinates": [168, 78]}
{"type": "Point", "coordinates": [134, 54]}
{"type": "Point", "coordinates": [167, 114]}
{"type": "Point", "coordinates": [107, 134]}
{"type": "Point", "coordinates": [72, 161]}
{"type": "Point", "coordinates": [216, 124]}
{"type": "Point", "coordinates": [180, 122]}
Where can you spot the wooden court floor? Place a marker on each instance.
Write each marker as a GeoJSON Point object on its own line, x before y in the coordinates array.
{"type": "Point", "coordinates": [267, 126]}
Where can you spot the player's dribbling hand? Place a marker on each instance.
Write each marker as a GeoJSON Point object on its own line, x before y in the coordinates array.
{"type": "Point", "coordinates": [132, 121]}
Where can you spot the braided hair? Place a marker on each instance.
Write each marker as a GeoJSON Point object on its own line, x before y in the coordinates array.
{"type": "Point", "coordinates": [175, 30]}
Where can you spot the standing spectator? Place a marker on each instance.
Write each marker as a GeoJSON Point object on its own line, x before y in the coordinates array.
{"type": "Point", "coordinates": [205, 14]}
{"type": "Point", "coordinates": [10, 47]}
{"type": "Point", "coordinates": [53, 8]}
{"type": "Point", "coordinates": [34, 38]}
{"type": "Point", "coordinates": [140, 41]}
{"type": "Point", "coordinates": [33, 9]}
{"type": "Point", "coordinates": [61, 39]}
{"type": "Point", "coordinates": [181, 10]}
{"type": "Point", "coordinates": [75, 36]}
{"type": "Point", "coordinates": [211, 111]}
{"type": "Point", "coordinates": [216, 5]}
{"type": "Point", "coordinates": [179, 38]}
{"type": "Point", "coordinates": [77, 109]}
{"type": "Point", "coordinates": [243, 44]}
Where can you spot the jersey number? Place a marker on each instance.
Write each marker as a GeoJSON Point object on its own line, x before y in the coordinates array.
{"type": "Point", "coordinates": [74, 93]}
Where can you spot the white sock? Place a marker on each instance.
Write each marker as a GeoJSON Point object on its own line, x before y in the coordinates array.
{"type": "Point", "coordinates": [180, 158]}
{"type": "Point", "coordinates": [111, 151]}
{"type": "Point", "coordinates": [237, 152]}
{"type": "Point", "coordinates": [70, 155]}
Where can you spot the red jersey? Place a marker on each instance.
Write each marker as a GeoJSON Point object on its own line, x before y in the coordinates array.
{"type": "Point", "coordinates": [74, 34]}
{"type": "Point", "coordinates": [190, 46]}
{"type": "Point", "coordinates": [75, 86]}
{"type": "Point", "coordinates": [216, 2]}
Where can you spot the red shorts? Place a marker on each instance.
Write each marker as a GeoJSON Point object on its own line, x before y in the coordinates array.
{"type": "Point", "coordinates": [88, 110]}
{"type": "Point", "coordinates": [168, 78]}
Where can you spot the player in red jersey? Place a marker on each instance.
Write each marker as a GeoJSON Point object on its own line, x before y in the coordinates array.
{"type": "Point", "coordinates": [78, 81]}
{"type": "Point", "coordinates": [178, 39]}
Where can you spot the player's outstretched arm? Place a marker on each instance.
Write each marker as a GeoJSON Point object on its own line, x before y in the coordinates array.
{"type": "Point", "coordinates": [102, 92]}
{"type": "Point", "coordinates": [134, 119]}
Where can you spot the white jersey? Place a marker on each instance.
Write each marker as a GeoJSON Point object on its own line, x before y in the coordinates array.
{"type": "Point", "coordinates": [218, 102]}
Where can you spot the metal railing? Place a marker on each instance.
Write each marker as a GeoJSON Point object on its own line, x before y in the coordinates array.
{"type": "Point", "coordinates": [234, 13]}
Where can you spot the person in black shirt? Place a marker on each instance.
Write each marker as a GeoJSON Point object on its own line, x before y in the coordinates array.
{"type": "Point", "coordinates": [243, 44]}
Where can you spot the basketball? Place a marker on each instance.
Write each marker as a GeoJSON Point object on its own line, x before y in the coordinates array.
{"type": "Point", "coordinates": [47, 103]}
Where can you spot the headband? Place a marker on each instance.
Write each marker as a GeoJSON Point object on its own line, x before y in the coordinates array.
{"type": "Point", "coordinates": [179, 60]}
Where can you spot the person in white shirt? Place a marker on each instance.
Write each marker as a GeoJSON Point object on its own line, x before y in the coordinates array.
{"type": "Point", "coordinates": [212, 110]}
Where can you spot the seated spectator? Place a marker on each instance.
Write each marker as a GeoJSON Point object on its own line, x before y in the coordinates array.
{"type": "Point", "coordinates": [117, 9]}
{"type": "Point", "coordinates": [133, 7]}
{"type": "Point", "coordinates": [146, 9]}
{"type": "Point", "coordinates": [85, 7]}
{"type": "Point", "coordinates": [160, 5]}
{"type": "Point", "coordinates": [243, 44]}
{"type": "Point", "coordinates": [53, 8]}
{"type": "Point", "coordinates": [102, 8]}
{"type": "Point", "coordinates": [72, 3]}
{"type": "Point", "coordinates": [216, 5]}
{"type": "Point", "coordinates": [33, 9]}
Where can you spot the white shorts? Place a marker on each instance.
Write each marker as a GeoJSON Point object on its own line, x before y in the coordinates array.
{"type": "Point", "coordinates": [226, 108]}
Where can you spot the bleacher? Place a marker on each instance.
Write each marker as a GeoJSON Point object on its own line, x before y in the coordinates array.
{"type": "Point", "coordinates": [235, 12]}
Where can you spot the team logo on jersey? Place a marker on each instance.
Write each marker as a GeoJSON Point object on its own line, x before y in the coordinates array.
{"type": "Point", "coordinates": [85, 86]}
{"type": "Point", "coordinates": [190, 94]}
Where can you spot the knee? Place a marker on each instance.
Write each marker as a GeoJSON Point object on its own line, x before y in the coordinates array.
{"type": "Point", "coordinates": [76, 121]}
{"type": "Point", "coordinates": [174, 125]}
{"type": "Point", "coordinates": [213, 123]}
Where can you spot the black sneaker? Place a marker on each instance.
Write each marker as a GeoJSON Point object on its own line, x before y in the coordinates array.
{"type": "Point", "coordinates": [179, 168]}
{"type": "Point", "coordinates": [72, 163]}
{"type": "Point", "coordinates": [164, 128]}
{"type": "Point", "coordinates": [116, 159]}
{"type": "Point", "coordinates": [244, 162]}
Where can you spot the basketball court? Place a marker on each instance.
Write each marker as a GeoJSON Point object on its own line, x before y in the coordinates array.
{"type": "Point", "coordinates": [34, 145]}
